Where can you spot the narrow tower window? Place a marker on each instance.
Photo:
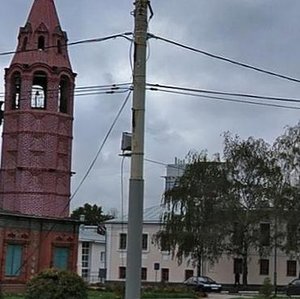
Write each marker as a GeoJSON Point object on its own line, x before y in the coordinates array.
{"type": "Point", "coordinates": [24, 44]}
{"type": "Point", "coordinates": [16, 90]}
{"type": "Point", "coordinates": [39, 90]}
{"type": "Point", "coordinates": [59, 50]}
{"type": "Point", "coordinates": [63, 95]}
{"type": "Point", "coordinates": [41, 43]}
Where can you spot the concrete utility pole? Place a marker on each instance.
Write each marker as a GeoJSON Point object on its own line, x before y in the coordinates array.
{"type": "Point", "coordinates": [136, 184]}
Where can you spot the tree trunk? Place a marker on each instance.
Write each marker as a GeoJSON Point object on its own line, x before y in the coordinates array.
{"type": "Point", "coordinates": [245, 269]}
{"type": "Point", "coordinates": [199, 265]}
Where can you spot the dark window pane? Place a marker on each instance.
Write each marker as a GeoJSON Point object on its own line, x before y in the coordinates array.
{"type": "Point", "coordinates": [291, 268]}
{"type": "Point", "coordinates": [123, 241]}
{"type": "Point", "coordinates": [264, 267]}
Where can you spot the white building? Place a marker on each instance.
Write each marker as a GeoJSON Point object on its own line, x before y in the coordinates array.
{"type": "Point", "coordinates": [91, 263]}
{"type": "Point", "coordinates": [160, 266]}
{"type": "Point", "coordinates": [157, 265]}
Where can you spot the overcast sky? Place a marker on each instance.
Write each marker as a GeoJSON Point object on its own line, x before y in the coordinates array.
{"type": "Point", "coordinates": [263, 33]}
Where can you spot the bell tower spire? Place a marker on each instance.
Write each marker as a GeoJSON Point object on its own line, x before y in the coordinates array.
{"type": "Point", "coordinates": [42, 32]}
{"type": "Point", "coordinates": [38, 117]}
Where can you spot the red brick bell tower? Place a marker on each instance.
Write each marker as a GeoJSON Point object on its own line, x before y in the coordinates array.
{"type": "Point", "coordinates": [35, 231]}
{"type": "Point", "coordinates": [38, 116]}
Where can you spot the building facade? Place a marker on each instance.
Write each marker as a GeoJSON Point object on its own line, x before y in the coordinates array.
{"type": "Point", "coordinates": [91, 265]}
{"type": "Point", "coordinates": [157, 265]}
{"type": "Point", "coordinates": [35, 174]}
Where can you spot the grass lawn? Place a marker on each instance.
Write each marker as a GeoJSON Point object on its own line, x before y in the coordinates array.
{"type": "Point", "coordinates": [109, 295]}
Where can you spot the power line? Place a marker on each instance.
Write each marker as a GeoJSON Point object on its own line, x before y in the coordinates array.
{"type": "Point", "coordinates": [224, 59]}
{"type": "Point", "coordinates": [79, 42]}
{"type": "Point", "coordinates": [224, 93]}
{"type": "Point", "coordinates": [225, 99]}
{"type": "Point", "coordinates": [101, 146]}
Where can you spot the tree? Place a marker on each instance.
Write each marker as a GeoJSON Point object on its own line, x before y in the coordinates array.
{"type": "Point", "coordinates": [249, 170]}
{"type": "Point", "coordinates": [286, 150]}
{"type": "Point", "coordinates": [93, 214]}
{"type": "Point", "coordinates": [56, 284]}
{"type": "Point", "coordinates": [194, 220]}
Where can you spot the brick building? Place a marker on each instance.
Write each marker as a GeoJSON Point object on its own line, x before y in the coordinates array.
{"type": "Point", "coordinates": [35, 231]}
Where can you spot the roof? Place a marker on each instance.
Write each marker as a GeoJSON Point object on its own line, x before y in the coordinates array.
{"type": "Point", "coordinates": [43, 11]}
{"type": "Point", "coordinates": [42, 22]}
{"type": "Point", "coordinates": [151, 215]}
{"type": "Point", "coordinates": [88, 233]}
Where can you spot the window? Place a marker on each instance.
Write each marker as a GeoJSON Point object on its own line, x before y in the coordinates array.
{"type": "Point", "coordinates": [85, 273]}
{"type": "Point", "coordinates": [59, 51]}
{"type": "Point", "coordinates": [264, 267]}
{"type": "Point", "coordinates": [85, 255]}
{"type": "Point", "coordinates": [24, 44]}
{"type": "Point", "coordinates": [13, 260]}
{"type": "Point", "coordinates": [237, 266]}
{"type": "Point", "coordinates": [164, 243]}
{"type": "Point", "coordinates": [39, 90]}
{"type": "Point", "coordinates": [164, 274]}
{"type": "Point", "coordinates": [16, 90]}
{"type": "Point", "coordinates": [122, 272]}
{"type": "Point", "coordinates": [102, 256]}
{"type": "Point", "coordinates": [291, 268]}
{"type": "Point", "coordinates": [41, 43]}
{"type": "Point", "coordinates": [123, 241]}
{"type": "Point", "coordinates": [63, 94]}
{"type": "Point", "coordinates": [237, 234]}
{"type": "Point", "coordinates": [265, 234]}
{"type": "Point", "coordinates": [61, 258]}
{"type": "Point", "coordinates": [144, 274]}
{"type": "Point", "coordinates": [145, 242]}
{"type": "Point", "coordinates": [188, 274]}
{"type": "Point", "coordinates": [292, 237]}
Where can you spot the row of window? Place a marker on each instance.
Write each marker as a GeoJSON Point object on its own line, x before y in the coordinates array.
{"type": "Point", "coordinates": [123, 241]}
{"type": "Point", "coordinates": [291, 267]}
{"type": "Point", "coordinates": [39, 91]}
{"type": "Point", "coordinates": [164, 274]}
{"type": "Point", "coordinates": [41, 44]}
{"type": "Point", "coordinates": [14, 259]}
{"type": "Point", "coordinates": [265, 232]}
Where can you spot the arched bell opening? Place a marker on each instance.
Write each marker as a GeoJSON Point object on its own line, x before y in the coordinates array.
{"type": "Point", "coordinates": [41, 43]}
{"type": "Point", "coordinates": [64, 94]}
{"type": "Point", "coordinates": [15, 91]}
{"type": "Point", "coordinates": [39, 90]}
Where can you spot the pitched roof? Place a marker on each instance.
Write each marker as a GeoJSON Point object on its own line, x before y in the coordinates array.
{"type": "Point", "coordinates": [43, 12]}
{"type": "Point", "coordinates": [88, 233]}
{"type": "Point", "coordinates": [151, 215]}
{"type": "Point", "coordinates": [42, 22]}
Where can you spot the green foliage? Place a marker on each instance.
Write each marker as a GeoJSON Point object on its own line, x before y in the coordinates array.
{"type": "Point", "coordinates": [266, 289]}
{"type": "Point", "coordinates": [251, 169]}
{"type": "Point", "coordinates": [218, 207]}
{"type": "Point", "coordinates": [194, 207]}
{"type": "Point", "coordinates": [93, 214]}
{"type": "Point", "coordinates": [56, 284]}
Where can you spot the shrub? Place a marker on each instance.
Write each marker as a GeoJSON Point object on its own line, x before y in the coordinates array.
{"type": "Point", "coordinates": [56, 284]}
{"type": "Point", "coordinates": [266, 289]}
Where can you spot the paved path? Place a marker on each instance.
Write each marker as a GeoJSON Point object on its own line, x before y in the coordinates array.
{"type": "Point", "coordinates": [222, 296]}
